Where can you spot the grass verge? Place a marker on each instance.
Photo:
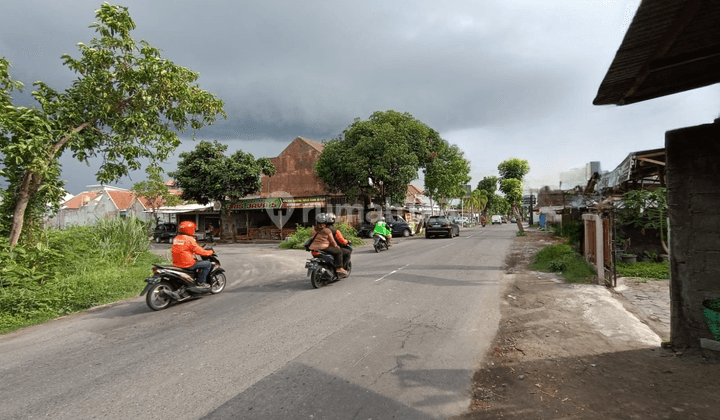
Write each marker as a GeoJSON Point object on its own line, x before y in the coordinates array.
{"type": "Point", "coordinates": [73, 270]}
{"type": "Point", "coordinates": [563, 259]}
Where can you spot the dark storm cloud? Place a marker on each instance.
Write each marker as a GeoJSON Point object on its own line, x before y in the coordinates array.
{"type": "Point", "coordinates": [519, 73]}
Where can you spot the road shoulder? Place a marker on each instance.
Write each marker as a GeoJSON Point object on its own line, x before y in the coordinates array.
{"type": "Point", "coordinates": [574, 351]}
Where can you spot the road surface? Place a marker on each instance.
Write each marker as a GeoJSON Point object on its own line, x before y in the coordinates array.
{"type": "Point", "coordinates": [399, 338]}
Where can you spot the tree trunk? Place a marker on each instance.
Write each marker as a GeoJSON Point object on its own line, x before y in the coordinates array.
{"type": "Point", "coordinates": [229, 222]}
{"type": "Point", "coordinates": [516, 212]}
{"type": "Point", "coordinates": [29, 186]}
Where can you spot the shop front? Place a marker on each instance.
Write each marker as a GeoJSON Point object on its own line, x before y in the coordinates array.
{"type": "Point", "coordinates": [274, 217]}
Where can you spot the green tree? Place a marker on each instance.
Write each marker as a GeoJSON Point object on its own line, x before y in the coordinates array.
{"type": "Point", "coordinates": [477, 201]}
{"type": "Point", "coordinates": [155, 192]}
{"type": "Point", "coordinates": [512, 172]}
{"type": "Point", "coordinates": [126, 104]}
{"type": "Point", "coordinates": [513, 168]}
{"type": "Point", "coordinates": [502, 205]}
{"type": "Point", "coordinates": [489, 184]}
{"type": "Point", "coordinates": [647, 210]}
{"type": "Point", "coordinates": [446, 174]}
{"type": "Point", "coordinates": [378, 157]}
{"type": "Point", "coordinates": [206, 174]}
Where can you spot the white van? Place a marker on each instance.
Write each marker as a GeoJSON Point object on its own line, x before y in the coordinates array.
{"type": "Point", "coordinates": [497, 219]}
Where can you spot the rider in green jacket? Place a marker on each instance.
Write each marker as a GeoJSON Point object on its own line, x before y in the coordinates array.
{"type": "Point", "coordinates": [380, 227]}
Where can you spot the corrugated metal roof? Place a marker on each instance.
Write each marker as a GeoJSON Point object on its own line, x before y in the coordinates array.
{"type": "Point", "coordinates": [645, 167]}
{"type": "Point", "coordinates": [671, 46]}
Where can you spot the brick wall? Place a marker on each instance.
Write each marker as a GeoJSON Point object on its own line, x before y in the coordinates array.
{"type": "Point", "coordinates": [295, 171]}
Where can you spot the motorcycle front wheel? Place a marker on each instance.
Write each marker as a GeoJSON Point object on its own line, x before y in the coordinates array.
{"type": "Point", "coordinates": [217, 283]}
{"type": "Point", "coordinates": [155, 300]}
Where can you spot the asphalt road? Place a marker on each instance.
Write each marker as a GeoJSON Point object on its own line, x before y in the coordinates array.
{"type": "Point", "coordinates": [399, 338]}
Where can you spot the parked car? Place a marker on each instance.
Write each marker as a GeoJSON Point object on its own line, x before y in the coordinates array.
{"type": "Point", "coordinates": [504, 219]}
{"type": "Point", "coordinates": [165, 232]}
{"type": "Point", "coordinates": [513, 220]}
{"type": "Point", "coordinates": [395, 223]}
{"type": "Point", "coordinates": [497, 219]}
{"type": "Point", "coordinates": [441, 226]}
{"type": "Point", "coordinates": [462, 221]}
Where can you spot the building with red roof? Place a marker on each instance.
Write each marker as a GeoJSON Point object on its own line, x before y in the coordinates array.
{"type": "Point", "coordinates": [100, 201]}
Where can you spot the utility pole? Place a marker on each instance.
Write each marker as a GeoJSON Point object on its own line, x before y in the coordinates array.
{"type": "Point", "coordinates": [531, 204]}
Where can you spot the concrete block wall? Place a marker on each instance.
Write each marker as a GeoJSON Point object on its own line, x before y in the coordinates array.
{"type": "Point", "coordinates": [693, 180]}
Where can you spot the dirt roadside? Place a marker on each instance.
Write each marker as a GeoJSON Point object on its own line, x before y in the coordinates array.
{"type": "Point", "coordinates": [556, 356]}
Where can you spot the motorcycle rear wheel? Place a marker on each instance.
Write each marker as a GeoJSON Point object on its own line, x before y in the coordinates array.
{"type": "Point", "coordinates": [316, 279]}
{"type": "Point", "coordinates": [154, 300]}
{"type": "Point", "coordinates": [217, 283]}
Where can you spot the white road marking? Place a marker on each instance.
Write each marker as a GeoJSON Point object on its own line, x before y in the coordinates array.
{"type": "Point", "coordinates": [392, 272]}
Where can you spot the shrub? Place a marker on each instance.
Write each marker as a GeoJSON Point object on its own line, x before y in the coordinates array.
{"type": "Point", "coordinates": [571, 230]}
{"type": "Point", "coordinates": [644, 269]}
{"type": "Point", "coordinates": [72, 270]}
{"type": "Point", "coordinates": [302, 234]}
{"type": "Point", "coordinates": [296, 240]}
{"type": "Point", "coordinates": [562, 258]}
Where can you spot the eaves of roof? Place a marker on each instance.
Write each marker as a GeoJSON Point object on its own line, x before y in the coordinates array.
{"type": "Point", "coordinates": [671, 46]}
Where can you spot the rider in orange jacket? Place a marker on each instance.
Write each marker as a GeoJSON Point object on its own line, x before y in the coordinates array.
{"type": "Point", "coordinates": [184, 249]}
{"type": "Point", "coordinates": [338, 236]}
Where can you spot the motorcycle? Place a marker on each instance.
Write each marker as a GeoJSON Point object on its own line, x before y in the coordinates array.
{"type": "Point", "coordinates": [321, 267]}
{"type": "Point", "coordinates": [170, 284]}
{"type": "Point", "coordinates": [380, 243]}
{"type": "Point", "coordinates": [483, 223]}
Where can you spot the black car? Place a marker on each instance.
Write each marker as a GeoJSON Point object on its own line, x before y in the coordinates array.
{"type": "Point", "coordinates": [441, 226]}
{"type": "Point", "coordinates": [165, 232]}
{"type": "Point", "coordinates": [395, 223]}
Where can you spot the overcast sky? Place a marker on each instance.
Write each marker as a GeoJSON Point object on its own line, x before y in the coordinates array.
{"type": "Point", "coordinates": [499, 78]}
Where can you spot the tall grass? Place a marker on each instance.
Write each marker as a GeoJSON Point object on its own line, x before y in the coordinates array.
{"type": "Point", "coordinates": [72, 270]}
{"type": "Point", "coordinates": [121, 240]}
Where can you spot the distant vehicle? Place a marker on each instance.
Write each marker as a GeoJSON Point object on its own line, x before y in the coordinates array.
{"type": "Point", "coordinates": [395, 223]}
{"type": "Point", "coordinates": [513, 220]}
{"type": "Point", "coordinates": [165, 232]}
{"type": "Point", "coordinates": [497, 219]}
{"type": "Point", "coordinates": [441, 226]}
{"type": "Point", "coordinates": [504, 219]}
{"type": "Point", "coordinates": [462, 220]}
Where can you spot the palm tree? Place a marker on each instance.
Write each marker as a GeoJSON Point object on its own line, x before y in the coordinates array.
{"type": "Point", "coordinates": [477, 201]}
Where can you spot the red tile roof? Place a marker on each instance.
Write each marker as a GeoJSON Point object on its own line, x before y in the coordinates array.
{"type": "Point", "coordinates": [413, 190]}
{"type": "Point", "coordinates": [122, 199]}
{"type": "Point", "coordinates": [80, 199]}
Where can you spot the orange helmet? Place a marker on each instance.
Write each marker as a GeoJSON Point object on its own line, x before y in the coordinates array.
{"type": "Point", "coordinates": [187, 228]}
